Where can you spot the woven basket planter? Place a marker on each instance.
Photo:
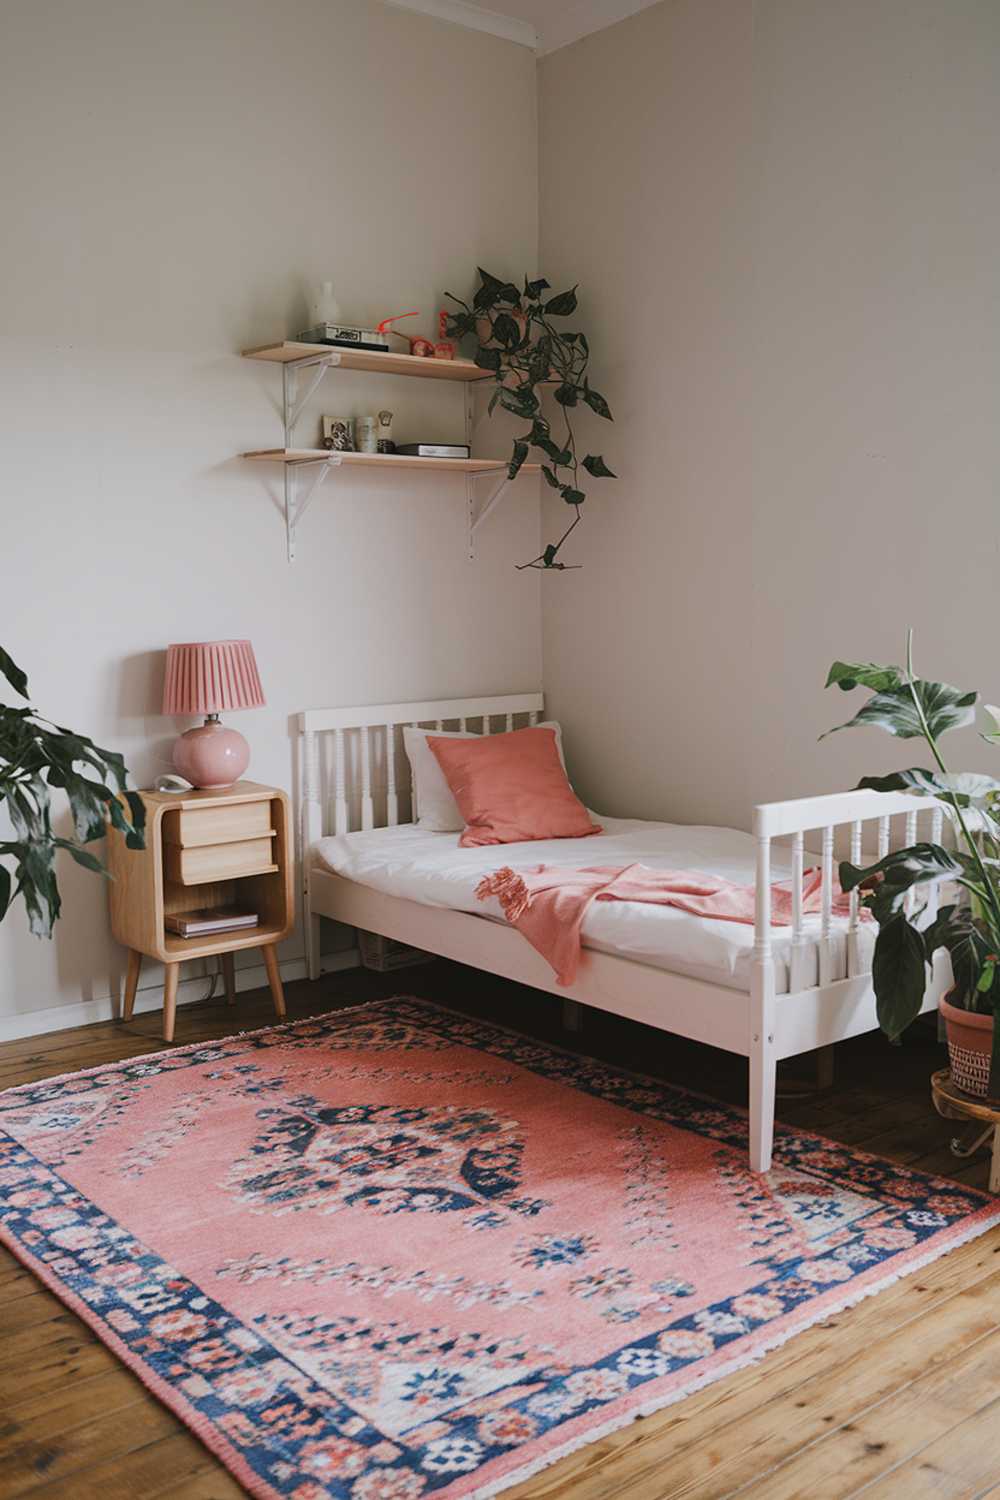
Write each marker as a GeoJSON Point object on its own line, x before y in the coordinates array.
{"type": "Point", "coordinates": [970, 1046]}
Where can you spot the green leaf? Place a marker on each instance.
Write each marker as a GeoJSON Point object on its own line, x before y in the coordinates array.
{"type": "Point", "coordinates": [494, 291]}
{"type": "Point", "coordinates": [13, 674]}
{"type": "Point", "coordinates": [550, 477]}
{"type": "Point", "coordinates": [597, 403]}
{"type": "Point", "coordinates": [894, 710]}
{"type": "Point", "coordinates": [567, 394]}
{"type": "Point", "coordinates": [887, 882]}
{"type": "Point", "coordinates": [594, 464]}
{"type": "Point", "coordinates": [848, 675]}
{"type": "Point", "coordinates": [899, 975]}
{"type": "Point", "coordinates": [572, 496]}
{"type": "Point", "coordinates": [506, 331]}
{"type": "Point", "coordinates": [559, 456]}
{"type": "Point", "coordinates": [488, 359]}
{"type": "Point", "coordinates": [549, 554]}
{"type": "Point", "coordinates": [519, 400]}
{"type": "Point", "coordinates": [5, 889]}
{"type": "Point", "coordinates": [534, 289]}
{"type": "Point", "coordinates": [966, 788]}
{"type": "Point", "coordinates": [518, 456]}
{"type": "Point", "coordinates": [562, 304]}
{"type": "Point", "coordinates": [968, 946]}
{"type": "Point", "coordinates": [460, 324]}
{"type": "Point", "coordinates": [82, 856]}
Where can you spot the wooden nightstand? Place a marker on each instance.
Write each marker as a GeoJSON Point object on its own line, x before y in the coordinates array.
{"type": "Point", "coordinates": [208, 848]}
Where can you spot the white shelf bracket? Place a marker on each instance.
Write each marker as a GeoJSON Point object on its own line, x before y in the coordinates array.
{"type": "Point", "coordinates": [478, 518]}
{"type": "Point", "coordinates": [293, 403]}
{"type": "Point", "coordinates": [297, 500]}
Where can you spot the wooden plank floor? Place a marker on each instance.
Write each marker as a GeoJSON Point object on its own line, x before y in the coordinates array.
{"type": "Point", "coordinates": [900, 1396]}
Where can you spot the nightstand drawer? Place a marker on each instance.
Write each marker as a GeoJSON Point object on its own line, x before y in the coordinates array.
{"type": "Point", "coordinates": [208, 862]}
{"type": "Point", "coordinates": [195, 826]}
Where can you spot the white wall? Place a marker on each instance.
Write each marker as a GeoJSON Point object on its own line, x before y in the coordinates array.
{"type": "Point", "coordinates": [786, 232]}
{"type": "Point", "coordinates": [182, 174]}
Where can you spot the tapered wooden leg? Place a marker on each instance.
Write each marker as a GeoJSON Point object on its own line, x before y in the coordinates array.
{"type": "Point", "coordinates": [274, 978]}
{"type": "Point", "coordinates": [170, 976]}
{"type": "Point", "coordinates": [229, 977]}
{"type": "Point", "coordinates": [131, 982]}
{"type": "Point", "coordinates": [824, 1067]}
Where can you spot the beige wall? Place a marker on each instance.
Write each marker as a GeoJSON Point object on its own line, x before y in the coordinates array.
{"type": "Point", "coordinates": [787, 238]}
{"type": "Point", "coordinates": [180, 173]}
{"type": "Point", "coordinates": [645, 132]}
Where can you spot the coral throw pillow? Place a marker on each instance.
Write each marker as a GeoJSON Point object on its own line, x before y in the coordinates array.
{"type": "Point", "coordinates": [511, 788]}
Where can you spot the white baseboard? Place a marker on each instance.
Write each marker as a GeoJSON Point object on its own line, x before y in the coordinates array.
{"type": "Point", "coordinates": [150, 997]}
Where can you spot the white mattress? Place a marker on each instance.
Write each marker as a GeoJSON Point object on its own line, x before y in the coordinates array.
{"type": "Point", "coordinates": [430, 868]}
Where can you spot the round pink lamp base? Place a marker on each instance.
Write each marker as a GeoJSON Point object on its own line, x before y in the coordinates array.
{"type": "Point", "coordinates": [211, 756]}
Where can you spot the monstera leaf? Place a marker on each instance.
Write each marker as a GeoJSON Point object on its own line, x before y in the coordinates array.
{"type": "Point", "coordinates": [886, 883]}
{"type": "Point", "coordinates": [899, 975]}
{"type": "Point", "coordinates": [894, 704]}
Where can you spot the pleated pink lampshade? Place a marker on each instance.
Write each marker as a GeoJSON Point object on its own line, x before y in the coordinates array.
{"type": "Point", "coordinates": [209, 677]}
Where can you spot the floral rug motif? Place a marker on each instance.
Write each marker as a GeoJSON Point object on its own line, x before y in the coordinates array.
{"type": "Point", "coordinates": [394, 1253]}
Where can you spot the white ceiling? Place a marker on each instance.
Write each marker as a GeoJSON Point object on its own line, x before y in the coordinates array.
{"type": "Point", "coordinates": [542, 25]}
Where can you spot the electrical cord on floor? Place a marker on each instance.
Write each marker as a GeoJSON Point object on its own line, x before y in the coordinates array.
{"type": "Point", "coordinates": [214, 982]}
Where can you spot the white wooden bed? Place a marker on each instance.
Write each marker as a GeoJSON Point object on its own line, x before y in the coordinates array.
{"type": "Point", "coordinates": [343, 769]}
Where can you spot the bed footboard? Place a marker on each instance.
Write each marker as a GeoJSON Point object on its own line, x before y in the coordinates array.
{"type": "Point", "coordinates": [804, 1018]}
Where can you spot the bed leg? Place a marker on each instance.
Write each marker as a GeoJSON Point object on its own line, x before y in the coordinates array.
{"type": "Point", "coordinates": [824, 1067]}
{"type": "Point", "coordinates": [312, 945]}
{"type": "Point", "coordinates": [763, 1076]}
{"type": "Point", "coordinates": [572, 1015]}
{"type": "Point", "coordinates": [763, 1054]}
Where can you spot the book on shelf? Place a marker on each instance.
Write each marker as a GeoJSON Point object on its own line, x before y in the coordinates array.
{"type": "Point", "coordinates": [209, 919]}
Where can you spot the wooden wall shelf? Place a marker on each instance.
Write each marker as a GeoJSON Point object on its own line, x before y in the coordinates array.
{"type": "Point", "coordinates": [383, 460]}
{"type": "Point", "coordinates": [310, 362]}
{"type": "Point", "coordinates": [369, 360]}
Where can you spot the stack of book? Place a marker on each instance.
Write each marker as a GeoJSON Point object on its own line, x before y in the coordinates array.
{"type": "Point", "coordinates": [209, 919]}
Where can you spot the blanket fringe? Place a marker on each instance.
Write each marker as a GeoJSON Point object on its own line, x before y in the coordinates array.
{"type": "Point", "coordinates": [510, 890]}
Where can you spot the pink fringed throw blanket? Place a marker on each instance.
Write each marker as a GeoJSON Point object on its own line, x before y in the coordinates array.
{"type": "Point", "coordinates": [548, 905]}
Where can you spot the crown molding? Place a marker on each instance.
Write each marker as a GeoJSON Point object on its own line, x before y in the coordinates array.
{"type": "Point", "coordinates": [474, 19]}
{"type": "Point", "coordinates": [574, 19]}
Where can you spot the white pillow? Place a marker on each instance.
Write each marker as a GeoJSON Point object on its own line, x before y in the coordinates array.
{"type": "Point", "coordinates": [437, 808]}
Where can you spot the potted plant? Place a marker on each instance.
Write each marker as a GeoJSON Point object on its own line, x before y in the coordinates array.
{"type": "Point", "coordinates": [518, 341]}
{"type": "Point", "coordinates": [36, 756]}
{"type": "Point", "coordinates": [968, 928]}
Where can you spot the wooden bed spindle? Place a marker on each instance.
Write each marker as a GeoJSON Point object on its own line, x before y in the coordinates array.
{"type": "Point", "coordinates": [854, 963]}
{"type": "Point", "coordinates": [414, 814]}
{"type": "Point", "coordinates": [797, 977]}
{"type": "Point", "coordinates": [910, 900]}
{"type": "Point", "coordinates": [341, 821]}
{"type": "Point", "coordinates": [826, 909]}
{"type": "Point", "coordinates": [391, 798]}
{"type": "Point", "coordinates": [367, 801]}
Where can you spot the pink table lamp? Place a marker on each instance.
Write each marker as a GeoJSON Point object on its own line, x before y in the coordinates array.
{"type": "Point", "coordinates": [206, 677]}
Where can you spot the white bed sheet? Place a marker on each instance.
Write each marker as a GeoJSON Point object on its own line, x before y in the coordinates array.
{"type": "Point", "coordinates": [430, 868]}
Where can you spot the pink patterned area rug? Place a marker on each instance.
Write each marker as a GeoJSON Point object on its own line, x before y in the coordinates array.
{"type": "Point", "coordinates": [395, 1253]}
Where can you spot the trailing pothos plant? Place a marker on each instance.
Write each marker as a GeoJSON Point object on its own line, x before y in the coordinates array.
{"type": "Point", "coordinates": [910, 707]}
{"type": "Point", "coordinates": [35, 757]}
{"type": "Point", "coordinates": [518, 342]}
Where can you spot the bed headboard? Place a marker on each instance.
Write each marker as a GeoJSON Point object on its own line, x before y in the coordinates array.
{"type": "Point", "coordinates": [367, 755]}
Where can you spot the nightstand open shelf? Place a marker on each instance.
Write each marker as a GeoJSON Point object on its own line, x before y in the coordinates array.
{"type": "Point", "coordinates": [210, 848]}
